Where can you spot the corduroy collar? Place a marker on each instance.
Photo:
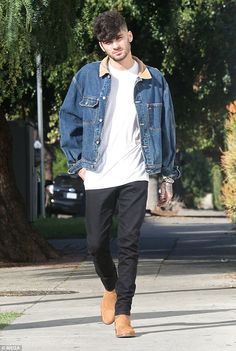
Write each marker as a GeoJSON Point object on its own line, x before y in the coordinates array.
{"type": "Point", "coordinates": [143, 70]}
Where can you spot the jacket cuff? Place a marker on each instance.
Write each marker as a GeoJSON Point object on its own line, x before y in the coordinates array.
{"type": "Point", "coordinates": [75, 167]}
{"type": "Point", "coordinates": [174, 173]}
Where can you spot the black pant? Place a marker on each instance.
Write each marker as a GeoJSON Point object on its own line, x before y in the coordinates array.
{"type": "Point", "coordinates": [130, 200]}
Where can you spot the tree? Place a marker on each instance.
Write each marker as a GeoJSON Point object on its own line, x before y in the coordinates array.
{"type": "Point", "coordinates": [22, 25]}
{"type": "Point", "coordinates": [18, 242]}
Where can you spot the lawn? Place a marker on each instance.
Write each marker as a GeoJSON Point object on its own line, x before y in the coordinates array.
{"type": "Point", "coordinates": [64, 228]}
{"type": "Point", "coordinates": [60, 228]}
{"type": "Point", "coordinates": [7, 317]}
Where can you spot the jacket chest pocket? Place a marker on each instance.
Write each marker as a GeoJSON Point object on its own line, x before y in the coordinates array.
{"type": "Point", "coordinates": [154, 111]}
{"type": "Point", "coordinates": [90, 109]}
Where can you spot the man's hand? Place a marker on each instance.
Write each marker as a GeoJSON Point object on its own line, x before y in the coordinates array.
{"type": "Point", "coordinates": [82, 173]}
{"type": "Point", "coordinates": [166, 194]}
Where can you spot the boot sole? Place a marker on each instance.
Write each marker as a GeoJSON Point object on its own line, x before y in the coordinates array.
{"type": "Point", "coordinates": [125, 336]}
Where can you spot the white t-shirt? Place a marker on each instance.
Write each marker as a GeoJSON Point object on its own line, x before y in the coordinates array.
{"type": "Point", "coordinates": [120, 159]}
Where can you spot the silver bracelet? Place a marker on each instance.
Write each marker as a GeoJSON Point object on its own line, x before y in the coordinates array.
{"type": "Point", "coordinates": [167, 180]}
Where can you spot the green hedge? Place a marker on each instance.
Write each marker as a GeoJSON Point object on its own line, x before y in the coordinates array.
{"type": "Point", "coordinates": [229, 163]}
{"type": "Point", "coordinates": [201, 175]}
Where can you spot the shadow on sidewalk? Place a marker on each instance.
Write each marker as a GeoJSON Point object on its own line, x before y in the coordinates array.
{"type": "Point", "coordinates": [135, 317]}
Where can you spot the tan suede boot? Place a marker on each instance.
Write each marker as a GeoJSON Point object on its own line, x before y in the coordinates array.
{"type": "Point", "coordinates": [108, 306]}
{"type": "Point", "coordinates": [123, 327]}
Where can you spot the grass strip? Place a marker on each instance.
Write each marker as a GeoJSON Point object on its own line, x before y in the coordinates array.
{"type": "Point", "coordinates": [64, 228]}
{"type": "Point", "coordinates": [60, 228]}
{"type": "Point", "coordinates": [7, 318]}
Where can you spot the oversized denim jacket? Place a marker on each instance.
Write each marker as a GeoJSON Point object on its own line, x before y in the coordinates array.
{"type": "Point", "coordinates": [83, 110]}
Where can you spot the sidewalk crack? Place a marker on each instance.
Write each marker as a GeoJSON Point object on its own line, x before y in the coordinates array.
{"type": "Point", "coordinates": [169, 253]}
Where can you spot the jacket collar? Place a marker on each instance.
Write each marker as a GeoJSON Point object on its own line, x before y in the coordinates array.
{"type": "Point", "coordinates": [143, 70]}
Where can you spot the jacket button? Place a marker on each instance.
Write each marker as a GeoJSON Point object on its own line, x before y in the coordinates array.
{"type": "Point", "coordinates": [104, 97]}
{"type": "Point", "coordinates": [97, 142]}
{"type": "Point", "coordinates": [100, 119]}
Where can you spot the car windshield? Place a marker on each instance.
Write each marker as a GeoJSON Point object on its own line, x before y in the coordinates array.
{"type": "Point", "coordinates": [67, 182]}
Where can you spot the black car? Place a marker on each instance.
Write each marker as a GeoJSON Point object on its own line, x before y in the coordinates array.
{"type": "Point", "coordinates": [66, 195]}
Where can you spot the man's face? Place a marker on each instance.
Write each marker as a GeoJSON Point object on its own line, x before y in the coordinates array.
{"type": "Point", "coordinates": [119, 48]}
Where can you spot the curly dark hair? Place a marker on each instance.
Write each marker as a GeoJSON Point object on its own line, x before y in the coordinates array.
{"type": "Point", "coordinates": [108, 24]}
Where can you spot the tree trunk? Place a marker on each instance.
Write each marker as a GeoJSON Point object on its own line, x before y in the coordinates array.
{"type": "Point", "coordinates": [18, 241]}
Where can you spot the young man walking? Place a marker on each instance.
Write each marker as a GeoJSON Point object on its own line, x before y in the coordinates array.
{"type": "Point", "coordinates": [117, 127]}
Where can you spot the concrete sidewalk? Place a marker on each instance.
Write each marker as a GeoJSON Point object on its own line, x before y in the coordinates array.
{"type": "Point", "coordinates": [185, 297]}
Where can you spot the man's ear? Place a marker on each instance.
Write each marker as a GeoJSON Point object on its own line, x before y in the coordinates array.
{"type": "Point", "coordinates": [101, 46]}
{"type": "Point", "coordinates": [130, 36]}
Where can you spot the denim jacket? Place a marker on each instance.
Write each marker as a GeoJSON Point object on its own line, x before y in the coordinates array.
{"type": "Point", "coordinates": [83, 110]}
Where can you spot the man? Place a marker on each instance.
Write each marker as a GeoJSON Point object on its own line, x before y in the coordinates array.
{"type": "Point", "coordinates": [117, 126]}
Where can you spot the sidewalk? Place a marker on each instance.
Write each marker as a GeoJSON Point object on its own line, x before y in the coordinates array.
{"type": "Point", "coordinates": [185, 297]}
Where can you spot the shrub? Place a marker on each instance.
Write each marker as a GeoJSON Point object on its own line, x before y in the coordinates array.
{"type": "Point", "coordinates": [228, 162]}
{"type": "Point", "coordinates": [196, 177]}
{"type": "Point", "coordinates": [59, 164]}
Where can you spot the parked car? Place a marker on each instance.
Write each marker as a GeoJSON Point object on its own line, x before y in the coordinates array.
{"type": "Point", "coordinates": [66, 195]}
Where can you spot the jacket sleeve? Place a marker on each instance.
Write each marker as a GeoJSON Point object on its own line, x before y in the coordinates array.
{"type": "Point", "coordinates": [169, 169]}
{"type": "Point", "coordinates": [71, 127]}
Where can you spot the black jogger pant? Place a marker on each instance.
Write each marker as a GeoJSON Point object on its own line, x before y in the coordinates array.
{"type": "Point", "coordinates": [101, 204]}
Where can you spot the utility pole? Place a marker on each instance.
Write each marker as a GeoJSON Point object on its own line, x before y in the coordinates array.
{"type": "Point", "coordinates": [40, 131]}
